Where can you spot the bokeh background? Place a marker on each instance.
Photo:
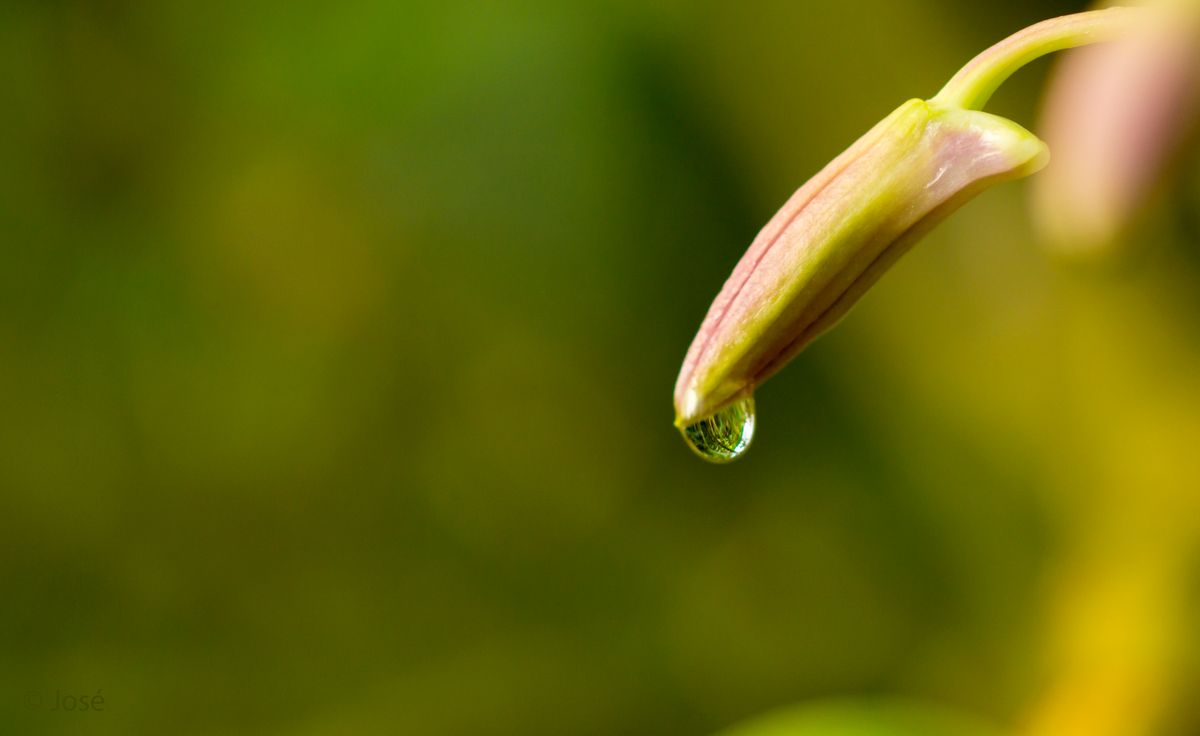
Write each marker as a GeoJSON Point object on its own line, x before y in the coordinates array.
{"type": "Point", "coordinates": [337, 343]}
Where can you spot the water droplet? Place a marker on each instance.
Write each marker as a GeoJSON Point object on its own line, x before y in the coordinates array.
{"type": "Point", "coordinates": [724, 436]}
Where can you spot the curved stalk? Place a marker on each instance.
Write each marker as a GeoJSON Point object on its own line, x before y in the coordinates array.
{"type": "Point", "coordinates": [975, 83]}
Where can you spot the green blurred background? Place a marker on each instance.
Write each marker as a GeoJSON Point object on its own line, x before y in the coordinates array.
{"type": "Point", "coordinates": [337, 343]}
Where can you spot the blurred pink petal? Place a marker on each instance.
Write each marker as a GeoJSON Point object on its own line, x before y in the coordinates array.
{"type": "Point", "coordinates": [1115, 117]}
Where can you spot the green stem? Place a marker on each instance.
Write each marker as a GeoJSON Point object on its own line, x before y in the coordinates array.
{"type": "Point", "coordinates": [974, 84]}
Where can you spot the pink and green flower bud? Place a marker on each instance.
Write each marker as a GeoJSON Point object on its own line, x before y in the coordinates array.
{"type": "Point", "coordinates": [837, 235]}
{"type": "Point", "coordinates": [843, 229]}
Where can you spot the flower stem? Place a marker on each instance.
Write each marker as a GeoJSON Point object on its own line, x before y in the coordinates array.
{"type": "Point", "coordinates": [974, 84]}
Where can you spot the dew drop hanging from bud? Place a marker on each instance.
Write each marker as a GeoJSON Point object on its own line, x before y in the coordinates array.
{"type": "Point", "coordinates": [724, 436]}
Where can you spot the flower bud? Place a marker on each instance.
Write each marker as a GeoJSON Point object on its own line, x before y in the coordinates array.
{"type": "Point", "coordinates": [837, 235]}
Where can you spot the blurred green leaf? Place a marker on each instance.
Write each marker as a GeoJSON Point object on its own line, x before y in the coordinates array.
{"type": "Point", "coordinates": [863, 718]}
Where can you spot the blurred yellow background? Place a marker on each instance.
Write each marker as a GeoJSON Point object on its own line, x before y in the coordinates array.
{"type": "Point", "coordinates": [336, 351]}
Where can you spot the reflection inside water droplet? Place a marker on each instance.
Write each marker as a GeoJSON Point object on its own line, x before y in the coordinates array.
{"type": "Point", "coordinates": [724, 436]}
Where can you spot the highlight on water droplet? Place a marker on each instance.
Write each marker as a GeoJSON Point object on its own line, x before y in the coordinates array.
{"type": "Point", "coordinates": [726, 435]}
